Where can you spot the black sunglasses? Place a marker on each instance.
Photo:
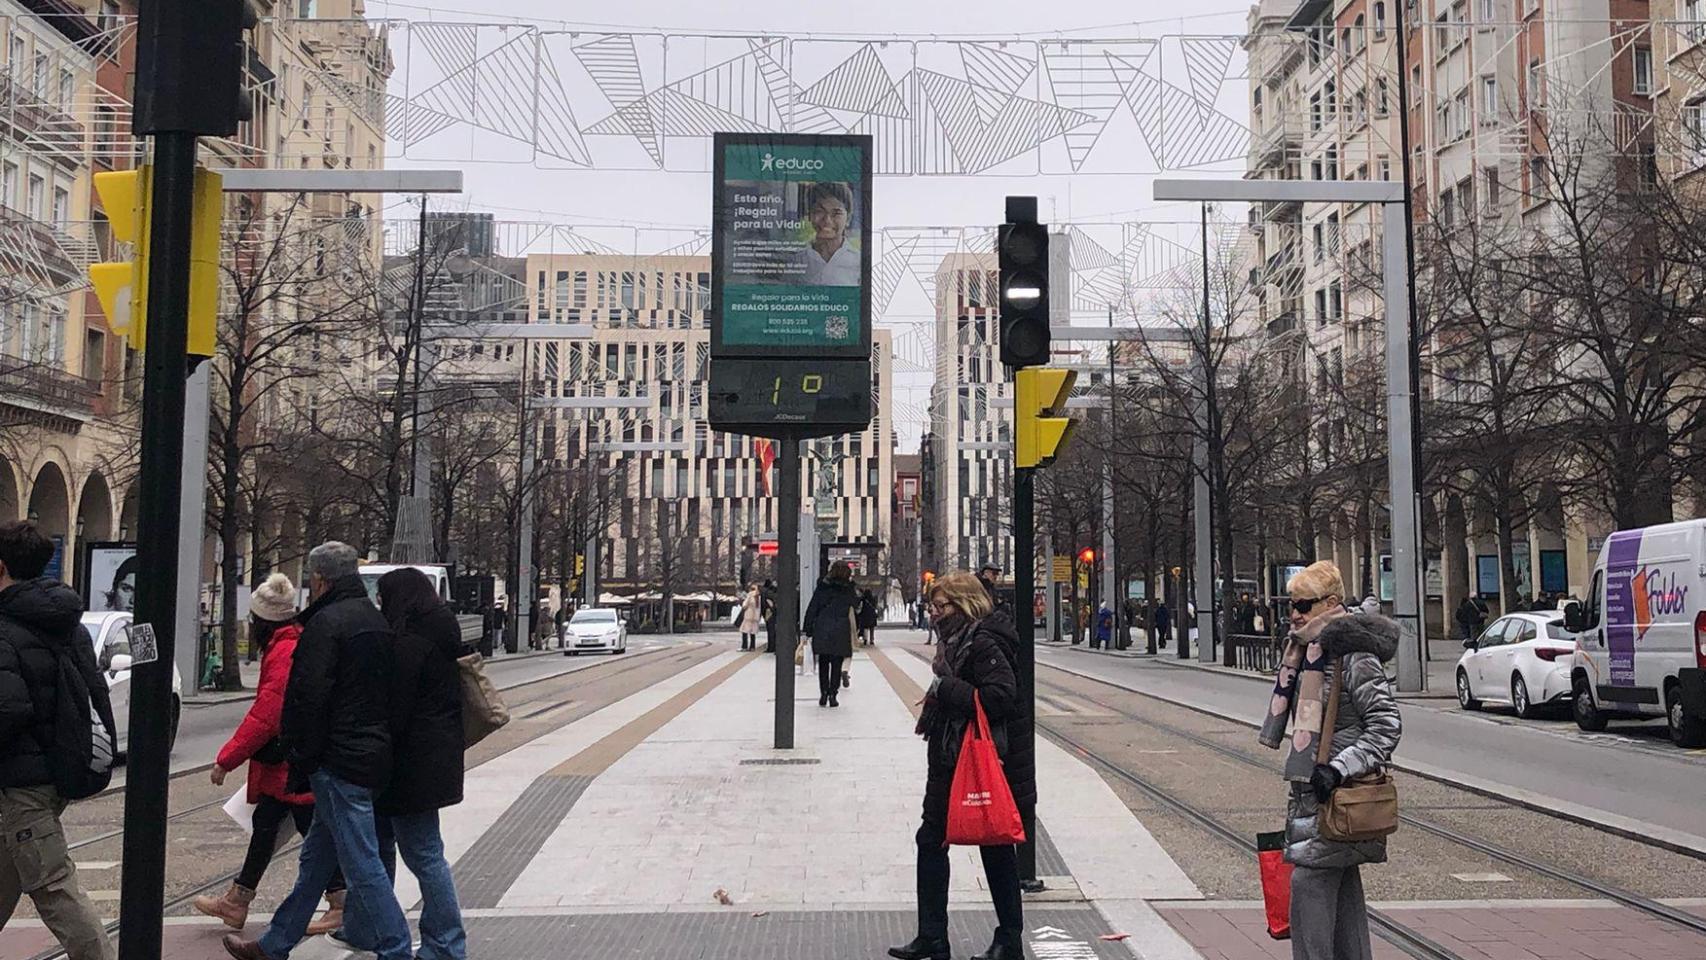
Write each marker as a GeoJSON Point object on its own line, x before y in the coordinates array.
{"type": "Point", "coordinates": [1303, 605]}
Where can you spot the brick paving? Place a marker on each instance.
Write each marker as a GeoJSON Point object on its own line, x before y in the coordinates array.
{"type": "Point", "coordinates": [1524, 930]}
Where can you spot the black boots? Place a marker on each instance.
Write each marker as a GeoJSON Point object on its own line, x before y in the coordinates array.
{"type": "Point", "coordinates": [834, 702]}
{"type": "Point", "coordinates": [1002, 950]}
{"type": "Point", "coordinates": [922, 948]}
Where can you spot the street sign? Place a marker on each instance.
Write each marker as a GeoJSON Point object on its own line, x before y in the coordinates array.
{"type": "Point", "coordinates": [790, 285]}
{"type": "Point", "coordinates": [1062, 569]}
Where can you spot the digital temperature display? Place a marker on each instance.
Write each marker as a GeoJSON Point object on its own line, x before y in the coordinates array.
{"type": "Point", "coordinates": [796, 397]}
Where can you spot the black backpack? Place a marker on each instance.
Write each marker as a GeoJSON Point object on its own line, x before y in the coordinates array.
{"type": "Point", "coordinates": [81, 756]}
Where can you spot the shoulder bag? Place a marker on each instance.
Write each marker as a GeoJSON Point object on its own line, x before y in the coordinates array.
{"type": "Point", "coordinates": [483, 708]}
{"type": "Point", "coordinates": [1364, 807]}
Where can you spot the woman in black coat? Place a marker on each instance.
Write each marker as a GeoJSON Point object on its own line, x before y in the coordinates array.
{"type": "Point", "coordinates": [829, 621]}
{"type": "Point", "coordinates": [427, 743]}
{"type": "Point", "coordinates": [974, 663]}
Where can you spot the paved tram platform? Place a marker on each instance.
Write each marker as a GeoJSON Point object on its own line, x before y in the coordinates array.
{"type": "Point", "coordinates": [665, 826]}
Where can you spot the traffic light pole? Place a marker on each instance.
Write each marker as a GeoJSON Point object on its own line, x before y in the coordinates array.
{"type": "Point", "coordinates": [158, 483]}
{"type": "Point", "coordinates": [1025, 622]}
{"type": "Point", "coordinates": [787, 585]}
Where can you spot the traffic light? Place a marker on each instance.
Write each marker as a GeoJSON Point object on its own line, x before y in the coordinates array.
{"type": "Point", "coordinates": [190, 64]}
{"type": "Point", "coordinates": [580, 565]}
{"type": "Point", "coordinates": [122, 286]}
{"type": "Point", "coordinates": [1040, 432]}
{"type": "Point", "coordinates": [1087, 556]}
{"type": "Point", "coordinates": [1022, 251]}
{"type": "Point", "coordinates": [929, 577]}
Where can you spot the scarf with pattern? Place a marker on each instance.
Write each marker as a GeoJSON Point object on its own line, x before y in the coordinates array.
{"type": "Point", "coordinates": [1300, 694]}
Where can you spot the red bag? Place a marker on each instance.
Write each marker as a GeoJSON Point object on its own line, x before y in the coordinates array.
{"type": "Point", "coordinates": [981, 811]}
{"type": "Point", "coordinates": [1276, 883]}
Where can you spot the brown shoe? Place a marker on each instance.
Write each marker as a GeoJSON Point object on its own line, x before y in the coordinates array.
{"type": "Point", "coordinates": [332, 919]}
{"type": "Point", "coordinates": [241, 949]}
{"type": "Point", "coordinates": [232, 906]}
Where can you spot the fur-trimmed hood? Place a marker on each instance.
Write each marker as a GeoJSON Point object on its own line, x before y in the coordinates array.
{"type": "Point", "coordinates": [1361, 633]}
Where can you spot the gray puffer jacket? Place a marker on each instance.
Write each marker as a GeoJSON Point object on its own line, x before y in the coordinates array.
{"type": "Point", "coordinates": [1364, 737]}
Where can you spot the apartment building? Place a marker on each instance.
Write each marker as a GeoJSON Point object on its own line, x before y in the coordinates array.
{"type": "Point", "coordinates": [686, 493]}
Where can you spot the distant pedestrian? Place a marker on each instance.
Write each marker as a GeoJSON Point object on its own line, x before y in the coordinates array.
{"type": "Point", "coordinates": [1329, 912]}
{"type": "Point", "coordinates": [867, 618]}
{"type": "Point", "coordinates": [43, 645]}
{"type": "Point", "coordinates": [1469, 617]}
{"type": "Point", "coordinates": [1163, 620]}
{"type": "Point", "coordinates": [768, 610]}
{"type": "Point", "coordinates": [1370, 605]}
{"type": "Point", "coordinates": [830, 621]}
{"type": "Point", "coordinates": [974, 663]}
{"type": "Point", "coordinates": [1104, 635]}
{"type": "Point", "coordinates": [1246, 615]}
{"type": "Point", "coordinates": [272, 612]}
{"type": "Point", "coordinates": [987, 575]}
{"type": "Point", "coordinates": [751, 618]}
{"type": "Point", "coordinates": [428, 738]}
{"type": "Point", "coordinates": [336, 731]}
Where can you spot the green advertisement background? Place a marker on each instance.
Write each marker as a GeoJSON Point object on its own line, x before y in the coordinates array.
{"type": "Point", "coordinates": [746, 162]}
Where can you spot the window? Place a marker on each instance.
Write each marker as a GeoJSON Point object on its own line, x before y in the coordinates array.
{"type": "Point", "coordinates": [1314, 169]}
{"type": "Point", "coordinates": [61, 208]}
{"type": "Point", "coordinates": [1489, 99]}
{"type": "Point", "coordinates": [1335, 302]}
{"type": "Point", "coordinates": [68, 89]}
{"type": "Point", "coordinates": [37, 198]}
{"type": "Point", "coordinates": [41, 75]}
{"type": "Point", "coordinates": [1320, 308]}
{"type": "Point", "coordinates": [1386, 168]}
{"type": "Point", "coordinates": [1694, 124]}
{"type": "Point", "coordinates": [1320, 245]}
{"type": "Point", "coordinates": [1489, 11]}
{"type": "Point", "coordinates": [1332, 163]}
{"type": "Point", "coordinates": [1442, 33]}
{"type": "Point", "coordinates": [1380, 19]}
{"type": "Point", "coordinates": [1381, 98]}
{"type": "Point", "coordinates": [1314, 112]}
{"type": "Point", "coordinates": [1360, 33]}
{"type": "Point", "coordinates": [1643, 70]}
{"type": "Point", "coordinates": [1460, 116]}
{"type": "Point", "coordinates": [9, 185]}
{"type": "Point", "coordinates": [15, 53]}
{"type": "Point", "coordinates": [1492, 190]}
{"type": "Point", "coordinates": [1333, 234]}
{"type": "Point", "coordinates": [1447, 209]}
{"type": "Point", "coordinates": [1535, 80]}
{"type": "Point", "coordinates": [1416, 92]}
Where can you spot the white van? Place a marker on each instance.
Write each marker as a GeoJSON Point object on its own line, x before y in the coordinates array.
{"type": "Point", "coordinates": [1641, 634]}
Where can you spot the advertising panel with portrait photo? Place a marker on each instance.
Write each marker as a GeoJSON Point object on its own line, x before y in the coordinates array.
{"type": "Point", "coordinates": [791, 254]}
{"type": "Point", "coordinates": [109, 579]}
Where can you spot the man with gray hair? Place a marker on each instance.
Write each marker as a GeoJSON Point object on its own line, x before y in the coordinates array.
{"type": "Point", "coordinates": [336, 735]}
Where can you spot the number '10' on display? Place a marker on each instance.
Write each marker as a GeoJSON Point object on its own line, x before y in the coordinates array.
{"type": "Point", "coordinates": [810, 383]}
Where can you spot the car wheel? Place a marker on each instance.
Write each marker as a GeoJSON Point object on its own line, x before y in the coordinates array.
{"type": "Point", "coordinates": [1588, 716]}
{"type": "Point", "coordinates": [1465, 699]}
{"type": "Point", "coordinates": [1519, 697]}
{"type": "Point", "coordinates": [1685, 731]}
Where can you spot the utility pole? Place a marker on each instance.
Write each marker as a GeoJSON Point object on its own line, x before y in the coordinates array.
{"type": "Point", "coordinates": [787, 585]}
{"type": "Point", "coordinates": [1206, 439]}
{"type": "Point", "coordinates": [1110, 543]}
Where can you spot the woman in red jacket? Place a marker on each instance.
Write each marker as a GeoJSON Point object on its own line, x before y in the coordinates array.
{"type": "Point", "coordinates": [272, 611]}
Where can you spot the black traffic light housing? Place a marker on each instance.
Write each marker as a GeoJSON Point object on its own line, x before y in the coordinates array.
{"type": "Point", "coordinates": [1022, 251]}
{"type": "Point", "coordinates": [190, 66]}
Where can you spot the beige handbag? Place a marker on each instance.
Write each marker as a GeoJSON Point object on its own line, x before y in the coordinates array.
{"type": "Point", "coordinates": [1362, 808]}
{"type": "Point", "coordinates": [483, 708]}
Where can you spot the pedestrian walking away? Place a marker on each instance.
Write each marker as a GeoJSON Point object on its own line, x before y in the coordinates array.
{"type": "Point", "coordinates": [830, 621]}
{"type": "Point", "coordinates": [1329, 912]}
{"type": "Point", "coordinates": [768, 610]}
{"type": "Point", "coordinates": [272, 612]}
{"type": "Point", "coordinates": [336, 731]}
{"type": "Point", "coordinates": [974, 663]}
{"type": "Point", "coordinates": [867, 618]}
{"type": "Point", "coordinates": [751, 618]}
{"type": "Point", "coordinates": [427, 747]}
{"type": "Point", "coordinates": [44, 654]}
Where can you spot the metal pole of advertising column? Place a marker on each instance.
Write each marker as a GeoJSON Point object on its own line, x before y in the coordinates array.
{"type": "Point", "coordinates": [143, 876]}
{"type": "Point", "coordinates": [1406, 532]}
{"type": "Point", "coordinates": [1051, 625]}
{"type": "Point", "coordinates": [522, 592]}
{"type": "Point", "coordinates": [1024, 585]}
{"type": "Point", "coordinates": [192, 501]}
{"type": "Point", "coordinates": [1110, 543]}
{"type": "Point", "coordinates": [1204, 496]}
{"type": "Point", "coordinates": [787, 585]}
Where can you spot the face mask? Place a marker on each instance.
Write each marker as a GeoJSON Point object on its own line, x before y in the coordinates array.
{"type": "Point", "coordinates": [952, 623]}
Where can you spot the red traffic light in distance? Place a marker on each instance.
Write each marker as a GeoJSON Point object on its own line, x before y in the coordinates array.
{"type": "Point", "coordinates": [929, 576]}
{"type": "Point", "coordinates": [769, 548]}
{"type": "Point", "coordinates": [1087, 555]}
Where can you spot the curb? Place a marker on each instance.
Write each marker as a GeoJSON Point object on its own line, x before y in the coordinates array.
{"type": "Point", "coordinates": [1665, 838]}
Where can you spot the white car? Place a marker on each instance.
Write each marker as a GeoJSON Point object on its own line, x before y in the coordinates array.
{"type": "Point", "coordinates": [594, 629]}
{"type": "Point", "coordinates": [111, 634]}
{"type": "Point", "coordinates": [1522, 659]}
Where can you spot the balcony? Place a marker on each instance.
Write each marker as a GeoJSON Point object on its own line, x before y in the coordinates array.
{"type": "Point", "coordinates": [34, 119]}
{"type": "Point", "coordinates": [46, 393]}
{"type": "Point", "coordinates": [1273, 146]}
{"type": "Point", "coordinates": [1283, 323]}
{"type": "Point", "coordinates": [1283, 262]}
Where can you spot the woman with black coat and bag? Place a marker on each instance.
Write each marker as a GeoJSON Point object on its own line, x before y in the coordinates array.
{"type": "Point", "coordinates": [428, 738]}
{"type": "Point", "coordinates": [974, 664]}
{"type": "Point", "coordinates": [830, 622]}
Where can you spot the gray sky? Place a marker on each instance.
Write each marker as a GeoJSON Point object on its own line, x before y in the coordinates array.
{"type": "Point", "coordinates": [612, 205]}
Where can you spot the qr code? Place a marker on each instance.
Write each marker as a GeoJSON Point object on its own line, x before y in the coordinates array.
{"type": "Point", "coordinates": [835, 328]}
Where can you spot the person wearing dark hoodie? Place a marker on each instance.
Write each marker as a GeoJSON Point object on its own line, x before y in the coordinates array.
{"type": "Point", "coordinates": [336, 733]}
{"type": "Point", "coordinates": [428, 740]}
{"type": "Point", "coordinates": [39, 619]}
{"type": "Point", "coordinates": [1329, 911]}
{"type": "Point", "coordinates": [975, 662]}
{"type": "Point", "coordinates": [830, 621]}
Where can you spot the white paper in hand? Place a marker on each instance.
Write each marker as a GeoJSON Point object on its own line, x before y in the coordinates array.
{"type": "Point", "coordinates": [240, 810]}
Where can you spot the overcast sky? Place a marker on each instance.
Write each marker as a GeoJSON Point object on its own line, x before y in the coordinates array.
{"type": "Point", "coordinates": [505, 181]}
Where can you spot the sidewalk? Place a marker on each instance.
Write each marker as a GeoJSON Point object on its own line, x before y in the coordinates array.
{"type": "Point", "coordinates": [1441, 685]}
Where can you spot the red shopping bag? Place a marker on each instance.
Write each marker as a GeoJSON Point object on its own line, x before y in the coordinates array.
{"type": "Point", "coordinates": [1276, 883]}
{"type": "Point", "coordinates": [981, 811]}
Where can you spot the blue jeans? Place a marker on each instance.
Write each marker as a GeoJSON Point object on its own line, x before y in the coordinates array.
{"type": "Point", "coordinates": [417, 837]}
{"type": "Point", "coordinates": [342, 836]}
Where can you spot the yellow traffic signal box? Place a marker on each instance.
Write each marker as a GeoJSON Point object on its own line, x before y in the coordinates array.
{"type": "Point", "coordinates": [1040, 431]}
{"type": "Point", "coordinates": [122, 286]}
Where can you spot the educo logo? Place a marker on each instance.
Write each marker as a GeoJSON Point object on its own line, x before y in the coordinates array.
{"type": "Point", "coordinates": [772, 163]}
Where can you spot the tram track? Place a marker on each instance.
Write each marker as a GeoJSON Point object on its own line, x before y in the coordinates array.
{"type": "Point", "coordinates": [572, 680]}
{"type": "Point", "coordinates": [1608, 891]}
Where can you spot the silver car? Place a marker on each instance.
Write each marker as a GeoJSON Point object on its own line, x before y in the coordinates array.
{"type": "Point", "coordinates": [594, 630]}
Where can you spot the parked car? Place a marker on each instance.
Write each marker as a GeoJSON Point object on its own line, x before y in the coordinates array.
{"type": "Point", "coordinates": [1641, 634]}
{"type": "Point", "coordinates": [1522, 659]}
{"type": "Point", "coordinates": [595, 629]}
{"type": "Point", "coordinates": [110, 632]}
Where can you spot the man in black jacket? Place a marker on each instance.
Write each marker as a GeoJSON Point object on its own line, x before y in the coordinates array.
{"type": "Point", "coordinates": [336, 733]}
{"type": "Point", "coordinates": [39, 619]}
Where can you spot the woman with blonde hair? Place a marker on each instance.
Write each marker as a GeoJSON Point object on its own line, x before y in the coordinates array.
{"type": "Point", "coordinates": [1329, 912]}
{"type": "Point", "coordinates": [974, 664]}
{"type": "Point", "coordinates": [751, 619]}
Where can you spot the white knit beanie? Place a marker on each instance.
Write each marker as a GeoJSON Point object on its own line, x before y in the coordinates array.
{"type": "Point", "coordinates": [274, 600]}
